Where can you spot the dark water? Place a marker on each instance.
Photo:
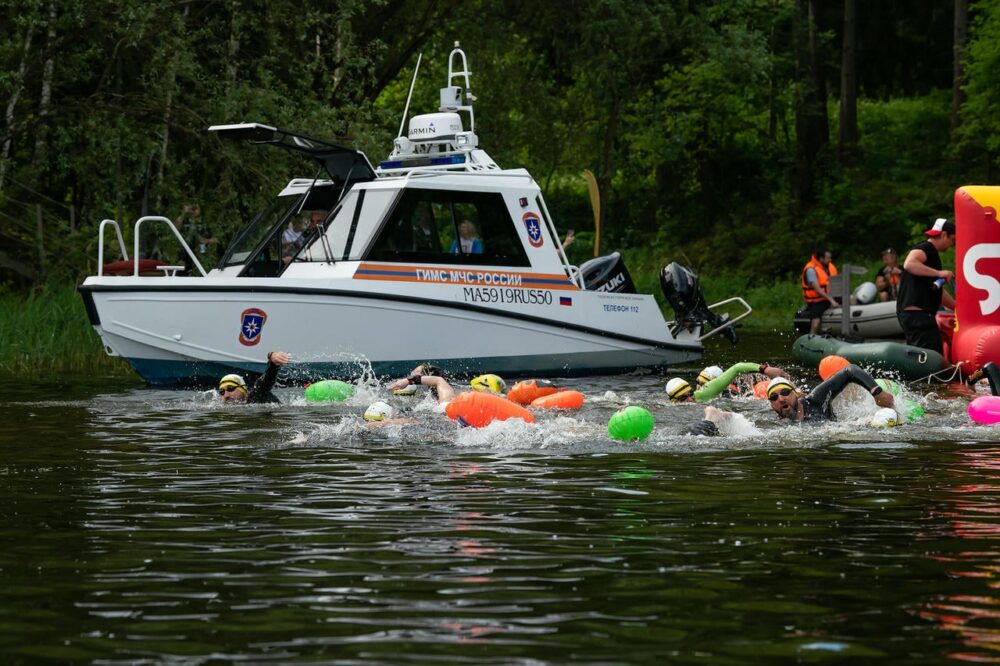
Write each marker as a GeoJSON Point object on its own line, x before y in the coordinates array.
{"type": "Point", "coordinates": [143, 526]}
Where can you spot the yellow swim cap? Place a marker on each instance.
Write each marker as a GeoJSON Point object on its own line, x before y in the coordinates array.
{"type": "Point", "coordinates": [489, 384]}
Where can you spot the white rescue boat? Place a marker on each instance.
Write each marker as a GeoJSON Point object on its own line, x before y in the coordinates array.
{"type": "Point", "coordinates": [437, 255]}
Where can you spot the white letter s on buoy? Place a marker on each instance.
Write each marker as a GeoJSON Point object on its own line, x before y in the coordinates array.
{"type": "Point", "coordinates": [988, 283]}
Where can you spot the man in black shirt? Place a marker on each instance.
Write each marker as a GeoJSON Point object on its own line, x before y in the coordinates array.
{"type": "Point", "coordinates": [921, 288]}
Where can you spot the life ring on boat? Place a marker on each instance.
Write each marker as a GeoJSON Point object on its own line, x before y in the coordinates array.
{"type": "Point", "coordinates": [524, 392]}
{"type": "Point", "coordinates": [985, 409]}
{"type": "Point", "coordinates": [630, 423]}
{"type": "Point", "coordinates": [480, 409]}
{"type": "Point", "coordinates": [127, 267]}
{"type": "Point", "coordinates": [560, 400]}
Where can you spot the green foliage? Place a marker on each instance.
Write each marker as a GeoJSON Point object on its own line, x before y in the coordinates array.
{"type": "Point", "coordinates": [47, 332]}
{"type": "Point", "coordinates": [686, 112]}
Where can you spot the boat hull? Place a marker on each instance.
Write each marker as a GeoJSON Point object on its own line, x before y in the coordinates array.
{"type": "Point", "coordinates": [176, 336]}
{"type": "Point", "coordinates": [875, 320]}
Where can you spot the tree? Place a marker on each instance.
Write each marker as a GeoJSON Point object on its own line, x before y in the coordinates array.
{"type": "Point", "coordinates": [848, 136]}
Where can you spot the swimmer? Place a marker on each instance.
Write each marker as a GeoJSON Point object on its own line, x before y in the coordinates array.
{"type": "Point", "coordinates": [679, 390]}
{"type": "Point", "coordinates": [233, 388]}
{"type": "Point", "coordinates": [787, 403]}
{"type": "Point", "coordinates": [382, 414]}
{"type": "Point", "coordinates": [714, 381]}
{"type": "Point", "coordinates": [427, 375]}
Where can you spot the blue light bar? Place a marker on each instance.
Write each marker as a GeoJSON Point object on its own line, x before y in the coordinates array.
{"type": "Point", "coordinates": [453, 159]}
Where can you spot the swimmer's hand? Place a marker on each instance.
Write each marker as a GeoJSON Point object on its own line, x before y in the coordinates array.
{"type": "Point", "coordinates": [278, 358]}
{"type": "Point", "coordinates": [398, 384]}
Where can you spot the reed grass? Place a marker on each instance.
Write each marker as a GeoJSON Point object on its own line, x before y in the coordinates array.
{"type": "Point", "coordinates": [47, 331]}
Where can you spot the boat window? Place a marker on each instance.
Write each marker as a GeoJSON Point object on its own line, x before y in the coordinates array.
{"type": "Point", "coordinates": [270, 242]}
{"type": "Point", "coordinates": [259, 228]}
{"type": "Point", "coordinates": [449, 227]}
{"type": "Point", "coordinates": [373, 204]}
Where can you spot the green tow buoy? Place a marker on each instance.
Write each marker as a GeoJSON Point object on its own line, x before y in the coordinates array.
{"type": "Point", "coordinates": [329, 390]}
{"type": "Point", "coordinates": [630, 424]}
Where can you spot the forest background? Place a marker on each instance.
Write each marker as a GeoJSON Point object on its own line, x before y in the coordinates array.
{"type": "Point", "coordinates": [732, 135]}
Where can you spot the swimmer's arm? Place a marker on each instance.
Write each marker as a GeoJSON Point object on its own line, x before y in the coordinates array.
{"type": "Point", "coordinates": [262, 387]}
{"type": "Point", "coordinates": [718, 385]}
{"type": "Point", "coordinates": [852, 374]}
{"type": "Point", "coordinates": [771, 372]}
{"type": "Point", "coordinates": [445, 392]}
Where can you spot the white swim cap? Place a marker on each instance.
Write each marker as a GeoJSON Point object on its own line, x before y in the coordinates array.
{"type": "Point", "coordinates": [233, 382]}
{"type": "Point", "coordinates": [886, 418]}
{"type": "Point", "coordinates": [866, 293]}
{"type": "Point", "coordinates": [678, 389]}
{"type": "Point", "coordinates": [708, 374]}
{"type": "Point", "coordinates": [379, 411]}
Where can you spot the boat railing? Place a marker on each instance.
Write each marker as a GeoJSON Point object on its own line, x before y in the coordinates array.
{"type": "Point", "coordinates": [572, 272]}
{"type": "Point", "coordinates": [729, 322]}
{"type": "Point", "coordinates": [100, 244]}
{"type": "Point", "coordinates": [177, 235]}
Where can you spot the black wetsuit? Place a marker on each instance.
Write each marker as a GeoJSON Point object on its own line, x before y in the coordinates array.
{"type": "Point", "coordinates": [261, 391]}
{"type": "Point", "coordinates": [816, 404]}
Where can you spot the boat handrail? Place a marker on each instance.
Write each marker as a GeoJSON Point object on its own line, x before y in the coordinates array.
{"type": "Point", "coordinates": [425, 173]}
{"type": "Point", "coordinates": [729, 322]}
{"type": "Point", "coordinates": [100, 244]}
{"type": "Point", "coordinates": [574, 275]}
{"type": "Point", "coordinates": [177, 234]}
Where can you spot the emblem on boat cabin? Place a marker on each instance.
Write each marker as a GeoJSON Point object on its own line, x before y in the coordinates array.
{"type": "Point", "coordinates": [534, 227]}
{"type": "Point", "coordinates": [251, 324]}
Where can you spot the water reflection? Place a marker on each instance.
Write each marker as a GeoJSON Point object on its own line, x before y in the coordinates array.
{"type": "Point", "coordinates": [972, 513]}
{"type": "Point", "coordinates": [158, 528]}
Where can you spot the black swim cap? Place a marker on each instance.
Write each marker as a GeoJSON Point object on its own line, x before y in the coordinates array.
{"type": "Point", "coordinates": [704, 427]}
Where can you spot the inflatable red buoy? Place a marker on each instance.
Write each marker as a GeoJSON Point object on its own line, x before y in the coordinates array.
{"type": "Point", "coordinates": [560, 400]}
{"type": "Point", "coordinates": [480, 409]}
{"type": "Point", "coordinates": [528, 390]}
{"type": "Point", "coordinates": [976, 338]}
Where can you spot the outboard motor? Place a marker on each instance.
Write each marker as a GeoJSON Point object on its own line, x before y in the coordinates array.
{"type": "Point", "coordinates": [607, 273]}
{"type": "Point", "coordinates": [682, 291]}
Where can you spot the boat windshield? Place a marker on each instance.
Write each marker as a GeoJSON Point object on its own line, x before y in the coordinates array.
{"type": "Point", "coordinates": [260, 228]}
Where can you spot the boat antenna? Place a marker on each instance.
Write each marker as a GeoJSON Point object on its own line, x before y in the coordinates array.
{"type": "Point", "coordinates": [406, 109]}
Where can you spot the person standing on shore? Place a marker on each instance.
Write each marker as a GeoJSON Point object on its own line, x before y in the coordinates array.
{"type": "Point", "coordinates": [921, 288]}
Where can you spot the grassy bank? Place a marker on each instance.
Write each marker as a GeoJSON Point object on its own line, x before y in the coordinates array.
{"type": "Point", "coordinates": [47, 331]}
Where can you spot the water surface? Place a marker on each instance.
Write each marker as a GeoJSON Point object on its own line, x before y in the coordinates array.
{"type": "Point", "coordinates": [146, 526]}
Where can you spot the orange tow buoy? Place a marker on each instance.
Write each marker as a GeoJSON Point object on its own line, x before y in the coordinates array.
{"type": "Point", "coordinates": [480, 409]}
{"type": "Point", "coordinates": [528, 390]}
{"type": "Point", "coordinates": [560, 400]}
{"type": "Point", "coordinates": [760, 388]}
{"type": "Point", "coordinates": [830, 365]}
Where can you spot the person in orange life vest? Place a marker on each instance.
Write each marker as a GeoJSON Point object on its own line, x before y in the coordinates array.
{"type": "Point", "coordinates": [887, 280]}
{"type": "Point", "coordinates": [816, 287]}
